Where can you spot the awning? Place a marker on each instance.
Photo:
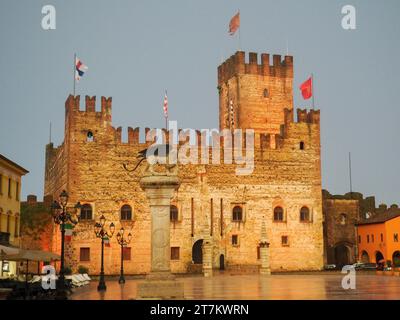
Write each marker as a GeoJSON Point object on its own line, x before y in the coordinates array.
{"type": "Point", "coordinates": [5, 251]}
{"type": "Point", "coordinates": [29, 255]}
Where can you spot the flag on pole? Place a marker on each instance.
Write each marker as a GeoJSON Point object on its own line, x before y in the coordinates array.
{"type": "Point", "coordinates": [80, 69]}
{"type": "Point", "coordinates": [106, 240]}
{"type": "Point", "coordinates": [165, 105]}
{"type": "Point", "coordinates": [68, 227]}
{"type": "Point", "coordinates": [307, 88]}
{"type": "Point", "coordinates": [234, 24]}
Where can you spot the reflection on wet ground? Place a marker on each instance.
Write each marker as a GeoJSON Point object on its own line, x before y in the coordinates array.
{"type": "Point", "coordinates": [255, 287]}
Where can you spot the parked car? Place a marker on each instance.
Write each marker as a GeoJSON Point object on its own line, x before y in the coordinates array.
{"type": "Point", "coordinates": [365, 266]}
{"type": "Point", "coordinates": [330, 267]}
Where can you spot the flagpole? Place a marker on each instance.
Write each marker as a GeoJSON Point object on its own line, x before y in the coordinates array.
{"type": "Point", "coordinates": [239, 31]}
{"type": "Point", "coordinates": [351, 184]}
{"type": "Point", "coordinates": [313, 91]}
{"type": "Point", "coordinates": [74, 71]}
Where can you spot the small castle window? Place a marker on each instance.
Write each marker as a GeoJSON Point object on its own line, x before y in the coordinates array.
{"type": "Point", "coordinates": [89, 136]}
{"type": "Point", "coordinates": [396, 237]}
{"type": "Point", "coordinates": [237, 213]}
{"type": "Point", "coordinates": [285, 241]}
{"type": "Point", "coordinates": [86, 212]}
{"type": "Point", "coordinates": [174, 253]}
{"type": "Point", "coordinates": [126, 212]}
{"type": "Point", "coordinates": [278, 214]}
{"type": "Point", "coordinates": [173, 213]}
{"type": "Point", "coordinates": [235, 240]}
{"type": "Point", "coordinates": [301, 145]}
{"type": "Point", "coordinates": [304, 214]}
{"type": "Point", "coordinates": [343, 219]}
{"type": "Point", "coordinates": [266, 93]}
{"type": "Point", "coordinates": [381, 237]}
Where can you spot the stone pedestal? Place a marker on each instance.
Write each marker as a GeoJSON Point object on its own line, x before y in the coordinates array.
{"type": "Point", "coordinates": [264, 252]}
{"type": "Point", "coordinates": [160, 283]}
{"type": "Point", "coordinates": [207, 256]}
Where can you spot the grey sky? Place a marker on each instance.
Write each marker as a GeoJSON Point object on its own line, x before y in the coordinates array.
{"type": "Point", "coordinates": [136, 49]}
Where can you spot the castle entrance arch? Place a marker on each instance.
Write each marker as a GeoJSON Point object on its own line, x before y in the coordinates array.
{"type": "Point", "coordinates": [197, 252]}
{"type": "Point", "coordinates": [342, 255]}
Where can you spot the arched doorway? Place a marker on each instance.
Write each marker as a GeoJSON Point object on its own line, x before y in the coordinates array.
{"type": "Point", "coordinates": [378, 256]}
{"type": "Point", "coordinates": [197, 252]}
{"type": "Point", "coordinates": [396, 258]}
{"type": "Point", "coordinates": [365, 257]}
{"type": "Point", "coordinates": [221, 262]}
{"type": "Point", "coordinates": [342, 255]}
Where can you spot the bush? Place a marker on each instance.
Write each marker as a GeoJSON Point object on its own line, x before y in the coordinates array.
{"type": "Point", "coordinates": [83, 269]}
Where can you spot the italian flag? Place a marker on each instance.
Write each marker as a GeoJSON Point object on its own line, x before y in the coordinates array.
{"type": "Point", "coordinates": [68, 231]}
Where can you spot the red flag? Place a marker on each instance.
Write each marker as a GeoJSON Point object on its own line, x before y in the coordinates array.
{"type": "Point", "coordinates": [307, 89]}
{"type": "Point", "coordinates": [234, 24]}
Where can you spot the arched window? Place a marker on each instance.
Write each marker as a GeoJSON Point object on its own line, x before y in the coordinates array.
{"type": "Point", "coordinates": [237, 213]}
{"type": "Point", "coordinates": [304, 214]}
{"type": "Point", "coordinates": [343, 219]}
{"type": "Point", "coordinates": [173, 213]}
{"type": "Point", "coordinates": [301, 145]}
{"type": "Point", "coordinates": [126, 212]}
{"type": "Point", "coordinates": [278, 214]}
{"type": "Point", "coordinates": [86, 212]}
{"type": "Point", "coordinates": [89, 136]}
{"type": "Point", "coordinates": [266, 93]}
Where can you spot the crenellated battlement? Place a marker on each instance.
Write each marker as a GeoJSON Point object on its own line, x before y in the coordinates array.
{"type": "Point", "coordinates": [290, 130]}
{"type": "Point", "coordinates": [236, 65]}
{"type": "Point", "coordinates": [72, 104]}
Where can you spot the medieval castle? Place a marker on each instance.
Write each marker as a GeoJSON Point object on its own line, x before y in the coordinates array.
{"type": "Point", "coordinates": [284, 190]}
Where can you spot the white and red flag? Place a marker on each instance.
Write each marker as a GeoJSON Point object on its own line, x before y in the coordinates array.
{"type": "Point", "coordinates": [165, 105]}
{"type": "Point", "coordinates": [234, 24]}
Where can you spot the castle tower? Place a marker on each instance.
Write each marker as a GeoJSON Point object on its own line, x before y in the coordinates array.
{"type": "Point", "coordinates": [254, 95]}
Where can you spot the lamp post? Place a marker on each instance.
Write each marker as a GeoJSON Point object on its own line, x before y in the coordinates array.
{"type": "Point", "coordinates": [123, 242]}
{"type": "Point", "coordinates": [61, 217]}
{"type": "Point", "coordinates": [102, 233]}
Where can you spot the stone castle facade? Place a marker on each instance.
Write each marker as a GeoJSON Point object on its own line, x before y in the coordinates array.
{"type": "Point", "coordinates": [284, 190]}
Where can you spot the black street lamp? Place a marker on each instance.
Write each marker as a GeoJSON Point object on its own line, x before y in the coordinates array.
{"type": "Point", "coordinates": [61, 217]}
{"type": "Point", "coordinates": [102, 233]}
{"type": "Point", "coordinates": [123, 243]}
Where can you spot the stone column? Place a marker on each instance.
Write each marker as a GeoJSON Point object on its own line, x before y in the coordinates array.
{"type": "Point", "coordinates": [264, 252]}
{"type": "Point", "coordinates": [160, 283]}
{"type": "Point", "coordinates": [207, 256]}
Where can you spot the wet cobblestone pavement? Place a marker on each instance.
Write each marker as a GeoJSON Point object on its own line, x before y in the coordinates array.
{"type": "Point", "coordinates": [255, 287]}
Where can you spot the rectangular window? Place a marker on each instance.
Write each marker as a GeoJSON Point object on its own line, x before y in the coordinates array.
{"type": "Point", "coordinates": [174, 253]}
{"type": "Point", "coordinates": [381, 237]}
{"type": "Point", "coordinates": [372, 238]}
{"type": "Point", "coordinates": [367, 238]}
{"type": "Point", "coordinates": [8, 223]}
{"type": "Point", "coordinates": [285, 241]}
{"type": "Point", "coordinates": [16, 229]}
{"type": "Point", "coordinates": [17, 191]}
{"type": "Point", "coordinates": [126, 253]}
{"type": "Point", "coordinates": [258, 253]}
{"type": "Point", "coordinates": [359, 239]}
{"type": "Point", "coordinates": [9, 187]}
{"type": "Point", "coordinates": [235, 240]}
{"type": "Point", "coordinates": [396, 237]}
{"type": "Point", "coordinates": [84, 254]}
